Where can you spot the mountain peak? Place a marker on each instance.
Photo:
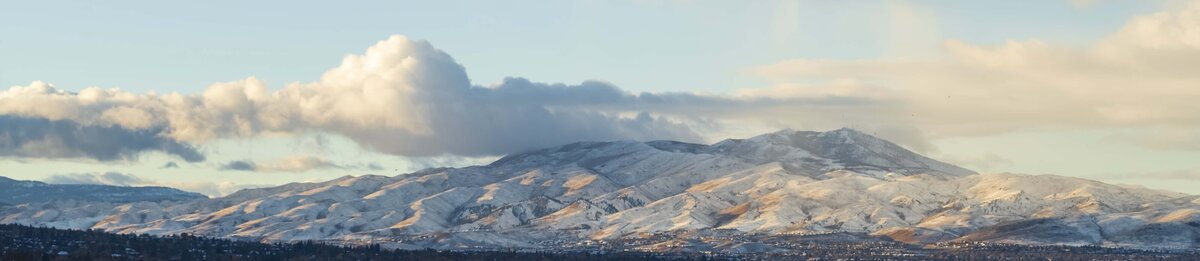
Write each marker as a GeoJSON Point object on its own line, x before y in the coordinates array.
{"type": "Point", "coordinates": [848, 132]}
{"type": "Point", "coordinates": [833, 138]}
{"type": "Point", "coordinates": [850, 136]}
{"type": "Point", "coordinates": [852, 149]}
{"type": "Point", "coordinates": [810, 152]}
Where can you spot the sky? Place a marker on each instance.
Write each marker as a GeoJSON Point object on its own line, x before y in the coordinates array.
{"type": "Point", "coordinates": [222, 95]}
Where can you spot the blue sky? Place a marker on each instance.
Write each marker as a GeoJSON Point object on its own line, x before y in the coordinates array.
{"type": "Point", "coordinates": [639, 45]}
{"type": "Point", "coordinates": [713, 48]}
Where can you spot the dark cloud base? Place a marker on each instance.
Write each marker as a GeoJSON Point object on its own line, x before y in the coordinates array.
{"type": "Point", "coordinates": [239, 165]}
{"type": "Point", "coordinates": [43, 138]}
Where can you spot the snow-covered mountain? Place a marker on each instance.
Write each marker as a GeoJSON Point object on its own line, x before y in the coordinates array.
{"type": "Point", "coordinates": [14, 192]}
{"type": "Point", "coordinates": [787, 182]}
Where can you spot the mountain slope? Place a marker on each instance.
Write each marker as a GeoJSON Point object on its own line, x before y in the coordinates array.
{"type": "Point", "coordinates": [782, 183]}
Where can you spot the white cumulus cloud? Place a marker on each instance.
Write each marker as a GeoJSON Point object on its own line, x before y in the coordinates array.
{"type": "Point", "coordinates": [400, 97]}
{"type": "Point", "coordinates": [211, 189]}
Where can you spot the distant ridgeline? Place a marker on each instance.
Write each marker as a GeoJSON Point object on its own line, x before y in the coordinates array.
{"type": "Point", "coordinates": [13, 192]}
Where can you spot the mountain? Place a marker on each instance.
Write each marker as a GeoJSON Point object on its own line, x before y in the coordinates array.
{"type": "Point", "coordinates": [13, 192]}
{"type": "Point", "coordinates": [729, 196]}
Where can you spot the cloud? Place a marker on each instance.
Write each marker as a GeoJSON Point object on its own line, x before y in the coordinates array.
{"type": "Point", "coordinates": [374, 167]}
{"type": "Point", "coordinates": [121, 179]}
{"type": "Point", "coordinates": [242, 165]}
{"type": "Point", "coordinates": [294, 164]}
{"type": "Point", "coordinates": [404, 97]}
{"type": "Point", "coordinates": [170, 165]}
{"type": "Point", "coordinates": [43, 138]}
{"type": "Point", "coordinates": [106, 178]}
{"type": "Point", "coordinates": [1141, 77]}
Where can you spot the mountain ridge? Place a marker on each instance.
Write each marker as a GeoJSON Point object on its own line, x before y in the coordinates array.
{"type": "Point", "coordinates": [15, 192]}
{"type": "Point", "coordinates": [782, 183]}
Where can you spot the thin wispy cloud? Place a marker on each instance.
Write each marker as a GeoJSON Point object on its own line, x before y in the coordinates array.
{"type": "Point", "coordinates": [212, 189]}
{"type": "Point", "coordinates": [106, 178]}
{"type": "Point", "coordinates": [295, 164]}
{"type": "Point", "coordinates": [1139, 77]}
